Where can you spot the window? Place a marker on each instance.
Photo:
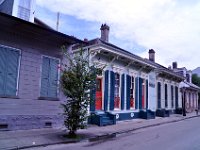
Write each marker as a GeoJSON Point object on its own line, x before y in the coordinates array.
{"type": "Point", "coordinates": [9, 67]}
{"type": "Point", "coordinates": [24, 9]}
{"type": "Point", "coordinates": [172, 96]}
{"type": "Point", "coordinates": [132, 103]}
{"type": "Point", "coordinates": [166, 96]}
{"type": "Point", "coordinates": [117, 89]}
{"type": "Point", "coordinates": [49, 79]}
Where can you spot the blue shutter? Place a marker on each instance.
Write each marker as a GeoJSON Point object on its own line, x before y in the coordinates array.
{"type": "Point", "coordinates": [122, 91]}
{"type": "Point", "coordinates": [147, 94]}
{"type": "Point", "coordinates": [53, 78]}
{"type": "Point", "coordinates": [92, 98]}
{"type": "Point", "coordinates": [106, 90]}
{"type": "Point", "coordinates": [2, 70]}
{"type": "Point", "coordinates": [12, 72]}
{"type": "Point", "coordinates": [45, 77]}
{"type": "Point", "coordinates": [159, 94]}
{"type": "Point", "coordinates": [140, 93]}
{"type": "Point", "coordinates": [49, 80]}
{"type": "Point", "coordinates": [128, 91]}
{"type": "Point", "coordinates": [166, 96]}
{"type": "Point", "coordinates": [136, 92]}
{"type": "Point", "coordinates": [176, 97]}
{"type": "Point", "coordinates": [112, 89]}
{"type": "Point", "coordinates": [172, 96]}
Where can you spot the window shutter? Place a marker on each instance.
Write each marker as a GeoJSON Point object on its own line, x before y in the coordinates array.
{"type": "Point", "coordinates": [172, 96]}
{"type": "Point", "coordinates": [136, 92]}
{"type": "Point", "coordinates": [147, 94]}
{"type": "Point", "coordinates": [49, 80]}
{"type": "Point", "coordinates": [176, 97]}
{"type": "Point", "coordinates": [122, 91]}
{"type": "Point", "coordinates": [140, 93]}
{"type": "Point", "coordinates": [106, 90]}
{"type": "Point", "coordinates": [2, 70]}
{"type": "Point", "coordinates": [45, 77]}
{"type": "Point", "coordinates": [12, 72]}
{"type": "Point", "coordinates": [128, 85]}
{"type": "Point", "coordinates": [159, 94]}
{"type": "Point", "coordinates": [53, 78]}
{"type": "Point", "coordinates": [112, 90]}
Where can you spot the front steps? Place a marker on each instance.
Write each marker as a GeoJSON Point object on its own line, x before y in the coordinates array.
{"type": "Point", "coordinates": [102, 118]}
{"type": "Point", "coordinates": [162, 113]}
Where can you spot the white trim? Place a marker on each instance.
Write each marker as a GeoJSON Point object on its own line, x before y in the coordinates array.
{"type": "Point", "coordinates": [19, 66]}
{"type": "Point", "coordinates": [58, 79]}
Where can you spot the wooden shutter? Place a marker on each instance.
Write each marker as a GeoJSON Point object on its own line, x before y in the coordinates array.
{"type": "Point", "coordinates": [140, 93]}
{"type": "Point", "coordinates": [53, 78]}
{"type": "Point", "coordinates": [136, 92]}
{"type": "Point", "coordinates": [49, 79]}
{"type": "Point", "coordinates": [112, 90]}
{"type": "Point", "coordinates": [176, 97]}
{"type": "Point", "coordinates": [12, 72]}
{"type": "Point", "coordinates": [2, 70]}
{"type": "Point", "coordinates": [106, 90]}
{"type": "Point", "coordinates": [45, 77]}
{"type": "Point", "coordinates": [128, 87]}
{"type": "Point", "coordinates": [122, 91]}
{"type": "Point", "coordinates": [166, 96]}
{"type": "Point", "coordinates": [159, 94]}
{"type": "Point", "coordinates": [147, 94]}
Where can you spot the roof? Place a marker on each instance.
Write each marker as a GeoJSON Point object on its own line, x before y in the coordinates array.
{"type": "Point", "coordinates": [9, 22]}
{"type": "Point", "coordinates": [158, 67]}
{"type": "Point", "coordinates": [98, 41]}
{"type": "Point", "coordinates": [190, 86]}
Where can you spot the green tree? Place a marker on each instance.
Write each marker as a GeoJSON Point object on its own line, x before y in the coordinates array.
{"type": "Point", "coordinates": [77, 80]}
{"type": "Point", "coordinates": [196, 79]}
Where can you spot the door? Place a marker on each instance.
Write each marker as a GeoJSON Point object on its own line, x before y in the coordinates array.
{"type": "Point", "coordinates": [98, 103]}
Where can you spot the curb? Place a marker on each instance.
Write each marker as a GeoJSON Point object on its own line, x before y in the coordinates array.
{"type": "Point", "coordinates": [101, 137]}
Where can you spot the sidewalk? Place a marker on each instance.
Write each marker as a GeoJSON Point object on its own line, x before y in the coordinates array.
{"type": "Point", "coordinates": [41, 137]}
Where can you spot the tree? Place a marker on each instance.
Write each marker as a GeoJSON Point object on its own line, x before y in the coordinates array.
{"type": "Point", "coordinates": [196, 79]}
{"type": "Point", "coordinates": [77, 80]}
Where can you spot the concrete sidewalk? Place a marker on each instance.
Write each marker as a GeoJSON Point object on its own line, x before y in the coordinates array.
{"type": "Point", "coordinates": [41, 137]}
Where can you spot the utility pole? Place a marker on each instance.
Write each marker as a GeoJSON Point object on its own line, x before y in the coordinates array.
{"type": "Point", "coordinates": [58, 20]}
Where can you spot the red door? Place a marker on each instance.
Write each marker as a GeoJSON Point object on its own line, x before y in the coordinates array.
{"type": "Point", "coordinates": [98, 103]}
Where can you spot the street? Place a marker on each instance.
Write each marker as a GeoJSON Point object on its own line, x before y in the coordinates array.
{"type": "Point", "coordinates": [183, 135]}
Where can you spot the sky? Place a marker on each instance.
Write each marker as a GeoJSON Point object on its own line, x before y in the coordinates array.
{"type": "Point", "coordinates": [170, 27]}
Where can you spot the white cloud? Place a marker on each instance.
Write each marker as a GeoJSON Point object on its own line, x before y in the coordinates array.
{"type": "Point", "coordinates": [170, 27]}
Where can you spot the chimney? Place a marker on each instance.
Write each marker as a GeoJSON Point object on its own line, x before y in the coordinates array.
{"type": "Point", "coordinates": [152, 55]}
{"type": "Point", "coordinates": [174, 65]}
{"type": "Point", "coordinates": [105, 32]}
{"type": "Point", "coordinates": [85, 40]}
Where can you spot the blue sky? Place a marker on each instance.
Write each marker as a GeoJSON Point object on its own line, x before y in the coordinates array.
{"type": "Point", "coordinates": [170, 27]}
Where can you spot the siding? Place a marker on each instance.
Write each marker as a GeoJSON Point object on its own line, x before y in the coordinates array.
{"type": "Point", "coordinates": [14, 111]}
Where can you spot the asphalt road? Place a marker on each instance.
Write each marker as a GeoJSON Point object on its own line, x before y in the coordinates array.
{"type": "Point", "coordinates": [183, 135]}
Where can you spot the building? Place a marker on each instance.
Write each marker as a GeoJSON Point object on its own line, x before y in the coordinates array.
{"type": "Point", "coordinates": [189, 90]}
{"type": "Point", "coordinates": [23, 9]}
{"type": "Point", "coordinates": [130, 86]}
{"type": "Point", "coordinates": [30, 56]}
